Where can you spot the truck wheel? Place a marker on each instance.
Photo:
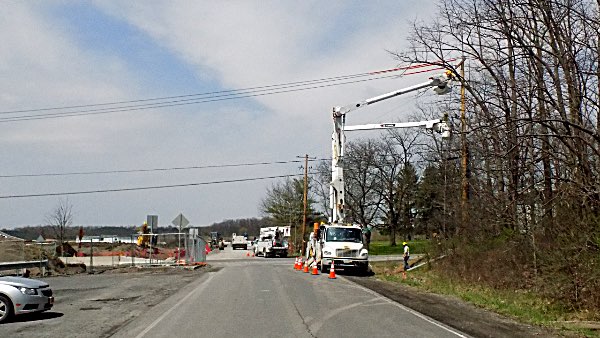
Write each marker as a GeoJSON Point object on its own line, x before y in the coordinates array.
{"type": "Point", "coordinates": [323, 268]}
{"type": "Point", "coordinates": [6, 309]}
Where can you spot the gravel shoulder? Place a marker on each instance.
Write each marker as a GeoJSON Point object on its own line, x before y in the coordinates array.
{"type": "Point", "coordinates": [98, 305]}
{"type": "Point", "coordinates": [452, 311]}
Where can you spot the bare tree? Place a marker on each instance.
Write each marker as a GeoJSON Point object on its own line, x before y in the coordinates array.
{"type": "Point", "coordinates": [363, 197]}
{"type": "Point", "coordinates": [61, 218]}
{"type": "Point", "coordinates": [533, 89]}
{"type": "Point", "coordinates": [322, 181]}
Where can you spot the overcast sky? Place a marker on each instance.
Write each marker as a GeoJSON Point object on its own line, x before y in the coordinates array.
{"type": "Point", "coordinates": [70, 53]}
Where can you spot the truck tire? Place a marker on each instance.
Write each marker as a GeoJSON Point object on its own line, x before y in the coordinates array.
{"type": "Point", "coordinates": [323, 268]}
{"type": "Point", "coordinates": [6, 309]}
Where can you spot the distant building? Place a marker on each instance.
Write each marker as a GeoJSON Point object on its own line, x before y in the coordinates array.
{"type": "Point", "coordinates": [107, 239]}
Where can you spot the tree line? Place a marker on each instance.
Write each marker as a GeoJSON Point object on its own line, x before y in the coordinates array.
{"type": "Point", "coordinates": [514, 195]}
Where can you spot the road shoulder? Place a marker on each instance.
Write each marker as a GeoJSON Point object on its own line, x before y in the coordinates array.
{"type": "Point", "coordinates": [452, 311]}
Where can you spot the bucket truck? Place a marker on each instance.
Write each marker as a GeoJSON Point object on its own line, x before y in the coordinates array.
{"type": "Point", "coordinates": [273, 242]}
{"type": "Point", "coordinates": [336, 241]}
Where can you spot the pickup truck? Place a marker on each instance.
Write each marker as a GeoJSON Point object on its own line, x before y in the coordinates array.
{"type": "Point", "coordinates": [239, 242]}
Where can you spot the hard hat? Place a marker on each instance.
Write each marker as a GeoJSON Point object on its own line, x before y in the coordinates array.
{"type": "Point", "coordinates": [404, 243]}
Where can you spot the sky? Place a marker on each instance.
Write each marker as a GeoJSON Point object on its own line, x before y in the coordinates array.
{"type": "Point", "coordinates": [74, 53]}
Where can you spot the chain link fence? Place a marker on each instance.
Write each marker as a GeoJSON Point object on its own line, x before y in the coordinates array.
{"type": "Point", "coordinates": [90, 253]}
{"type": "Point", "coordinates": [136, 250]}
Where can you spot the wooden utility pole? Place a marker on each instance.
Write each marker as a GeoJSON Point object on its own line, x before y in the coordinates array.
{"type": "Point", "coordinates": [305, 202]}
{"type": "Point", "coordinates": [464, 201]}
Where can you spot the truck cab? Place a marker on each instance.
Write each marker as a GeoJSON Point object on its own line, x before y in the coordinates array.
{"type": "Point", "coordinates": [344, 246]}
{"type": "Point", "coordinates": [239, 242]}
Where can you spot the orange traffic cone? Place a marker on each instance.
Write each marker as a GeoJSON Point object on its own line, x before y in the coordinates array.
{"type": "Point", "coordinates": [247, 253]}
{"type": "Point", "coordinates": [305, 267]}
{"type": "Point", "coordinates": [299, 266]}
{"type": "Point", "coordinates": [315, 271]}
{"type": "Point", "coordinates": [332, 271]}
{"type": "Point", "coordinates": [296, 264]}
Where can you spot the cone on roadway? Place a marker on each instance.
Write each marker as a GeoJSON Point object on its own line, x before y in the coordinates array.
{"type": "Point", "coordinates": [247, 253]}
{"type": "Point", "coordinates": [332, 271]}
{"type": "Point", "coordinates": [315, 271]}
{"type": "Point", "coordinates": [296, 264]}
{"type": "Point", "coordinates": [305, 267]}
{"type": "Point", "coordinates": [299, 267]}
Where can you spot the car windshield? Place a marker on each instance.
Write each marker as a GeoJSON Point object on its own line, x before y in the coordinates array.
{"type": "Point", "coordinates": [343, 235]}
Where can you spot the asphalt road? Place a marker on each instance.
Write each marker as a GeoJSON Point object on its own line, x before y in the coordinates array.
{"type": "Point", "coordinates": [258, 297]}
{"type": "Point", "coordinates": [241, 296]}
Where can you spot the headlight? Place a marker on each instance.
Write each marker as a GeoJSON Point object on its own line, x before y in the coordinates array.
{"type": "Point", "coordinates": [28, 291]}
{"type": "Point", "coordinates": [364, 253]}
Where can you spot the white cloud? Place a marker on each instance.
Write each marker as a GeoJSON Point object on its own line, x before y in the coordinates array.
{"type": "Point", "coordinates": [239, 43]}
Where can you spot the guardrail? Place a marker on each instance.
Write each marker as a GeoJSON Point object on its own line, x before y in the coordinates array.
{"type": "Point", "coordinates": [19, 267]}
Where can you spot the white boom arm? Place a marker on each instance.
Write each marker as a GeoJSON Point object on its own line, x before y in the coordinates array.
{"type": "Point", "coordinates": [436, 125]}
{"type": "Point", "coordinates": [440, 84]}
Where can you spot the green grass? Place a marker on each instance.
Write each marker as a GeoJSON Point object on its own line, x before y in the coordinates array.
{"type": "Point", "coordinates": [384, 248]}
{"type": "Point", "coordinates": [521, 305]}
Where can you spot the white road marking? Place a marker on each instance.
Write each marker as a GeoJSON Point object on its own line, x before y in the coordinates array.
{"type": "Point", "coordinates": [200, 288]}
{"type": "Point", "coordinates": [409, 310]}
{"type": "Point", "coordinates": [315, 327]}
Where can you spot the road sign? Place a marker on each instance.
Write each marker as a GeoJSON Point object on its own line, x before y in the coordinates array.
{"type": "Point", "coordinates": [180, 221]}
{"type": "Point", "coordinates": [152, 221]}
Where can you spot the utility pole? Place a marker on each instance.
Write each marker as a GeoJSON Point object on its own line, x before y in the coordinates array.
{"type": "Point", "coordinates": [305, 202]}
{"type": "Point", "coordinates": [464, 153]}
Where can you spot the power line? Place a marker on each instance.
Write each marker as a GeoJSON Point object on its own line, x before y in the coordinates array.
{"type": "Point", "coordinates": [146, 188]}
{"type": "Point", "coordinates": [249, 89]}
{"type": "Point", "coordinates": [174, 103]}
{"type": "Point", "coordinates": [180, 100]}
{"type": "Point", "coordinates": [120, 171]}
{"type": "Point", "coordinates": [98, 191]}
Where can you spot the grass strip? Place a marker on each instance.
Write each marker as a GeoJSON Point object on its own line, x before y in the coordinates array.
{"type": "Point", "coordinates": [521, 305]}
{"type": "Point", "coordinates": [384, 247]}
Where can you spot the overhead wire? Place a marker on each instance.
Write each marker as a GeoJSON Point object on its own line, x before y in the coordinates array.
{"type": "Point", "coordinates": [175, 103]}
{"type": "Point", "coordinates": [83, 192]}
{"type": "Point", "coordinates": [189, 95]}
{"type": "Point", "coordinates": [166, 186]}
{"type": "Point", "coordinates": [180, 100]}
{"type": "Point", "coordinates": [119, 171]}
